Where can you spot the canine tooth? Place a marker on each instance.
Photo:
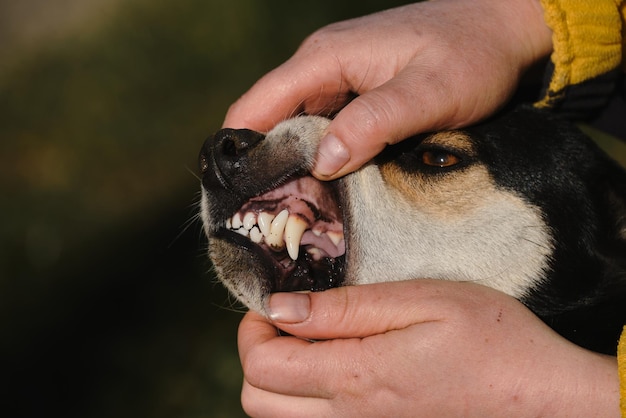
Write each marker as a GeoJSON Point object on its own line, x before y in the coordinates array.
{"type": "Point", "coordinates": [236, 221]}
{"type": "Point", "coordinates": [335, 237]}
{"type": "Point", "coordinates": [293, 235]}
{"type": "Point", "coordinates": [255, 235]}
{"type": "Point", "coordinates": [265, 221]}
{"type": "Point", "coordinates": [249, 220]}
{"type": "Point", "coordinates": [275, 238]}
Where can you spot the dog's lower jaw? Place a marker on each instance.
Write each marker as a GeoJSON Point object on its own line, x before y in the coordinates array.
{"type": "Point", "coordinates": [239, 263]}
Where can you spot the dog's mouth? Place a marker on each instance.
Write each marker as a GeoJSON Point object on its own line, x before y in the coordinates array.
{"type": "Point", "coordinates": [297, 232]}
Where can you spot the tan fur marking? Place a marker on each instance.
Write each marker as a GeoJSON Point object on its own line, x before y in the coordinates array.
{"type": "Point", "coordinates": [451, 195]}
{"type": "Point", "coordinates": [453, 140]}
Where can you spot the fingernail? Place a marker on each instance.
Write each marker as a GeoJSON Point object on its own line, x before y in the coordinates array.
{"type": "Point", "coordinates": [288, 307]}
{"type": "Point", "coordinates": [332, 155]}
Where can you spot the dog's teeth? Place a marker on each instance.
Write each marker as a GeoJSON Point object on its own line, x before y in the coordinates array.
{"type": "Point", "coordinates": [293, 235]}
{"type": "Point", "coordinates": [265, 221]}
{"type": "Point", "coordinates": [236, 221]}
{"type": "Point", "coordinates": [317, 232]}
{"type": "Point", "coordinates": [316, 253]}
{"type": "Point", "coordinates": [277, 228]}
{"type": "Point", "coordinates": [335, 237]}
{"type": "Point", "coordinates": [255, 235]}
{"type": "Point", "coordinates": [229, 224]}
{"type": "Point", "coordinates": [243, 231]}
{"type": "Point", "coordinates": [249, 220]}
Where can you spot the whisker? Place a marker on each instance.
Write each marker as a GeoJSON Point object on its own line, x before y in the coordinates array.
{"type": "Point", "coordinates": [536, 243]}
{"type": "Point", "coordinates": [533, 242]}
{"type": "Point", "coordinates": [185, 227]}
{"type": "Point", "coordinates": [193, 173]}
{"type": "Point", "coordinates": [295, 112]}
{"type": "Point", "coordinates": [230, 304]}
{"type": "Point", "coordinates": [194, 219]}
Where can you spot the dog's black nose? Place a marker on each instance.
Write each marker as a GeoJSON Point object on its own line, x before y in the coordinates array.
{"type": "Point", "coordinates": [228, 145]}
{"type": "Point", "coordinates": [232, 171]}
{"type": "Point", "coordinates": [235, 142]}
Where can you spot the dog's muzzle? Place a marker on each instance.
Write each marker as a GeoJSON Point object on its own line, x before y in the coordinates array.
{"type": "Point", "coordinates": [259, 200]}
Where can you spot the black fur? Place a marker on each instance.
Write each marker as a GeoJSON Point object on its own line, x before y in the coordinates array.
{"type": "Point", "coordinates": [584, 202]}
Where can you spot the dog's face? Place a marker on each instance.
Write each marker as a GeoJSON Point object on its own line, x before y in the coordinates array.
{"type": "Point", "coordinates": [515, 204]}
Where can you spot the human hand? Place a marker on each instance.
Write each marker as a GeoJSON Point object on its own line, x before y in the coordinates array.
{"type": "Point", "coordinates": [417, 348]}
{"type": "Point", "coordinates": [425, 66]}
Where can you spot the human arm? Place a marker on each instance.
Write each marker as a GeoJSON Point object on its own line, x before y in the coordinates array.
{"type": "Point", "coordinates": [417, 348]}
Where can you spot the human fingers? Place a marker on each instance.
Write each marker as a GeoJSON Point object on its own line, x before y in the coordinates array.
{"type": "Point", "coordinates": [350, 314]}
{"type": "Point", "coordinates": [365, 310]}
{"type": "Point", "coordinates": [308, 82]}
{"type": "Point", "coordinates": [345, 377]}
{"type": "Point", "coordinates": [330, 67]}
{"type": "Point", "coordinates": [452, 74]}
{"type": "Point", "coordinates": [464, 343]}
{"type": "Point", "coordinates": [257, 402]}
{"type": "Point", "coordinates": [414, 101]}
{"type": "Point", "coordinates": [271, 362]}
{"type": "Point", "coordinates": [489, 346]}
{"type": "Point", "coordinates": [292, 366]}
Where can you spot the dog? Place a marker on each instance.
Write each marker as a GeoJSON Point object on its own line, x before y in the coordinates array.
{"type": "Point", "coordinates": [523, 203]}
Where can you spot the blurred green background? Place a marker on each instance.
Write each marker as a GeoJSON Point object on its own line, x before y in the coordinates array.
{"type": "Point", "coordinates": [107, 304]}
{"type": "Point", "coordinates": [108, 307]}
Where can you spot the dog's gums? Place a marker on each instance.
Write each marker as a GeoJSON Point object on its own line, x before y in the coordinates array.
{"type": "Point", "coordinates": [298, 226]}
{"type": "Point", "coordinates": [296, 215]}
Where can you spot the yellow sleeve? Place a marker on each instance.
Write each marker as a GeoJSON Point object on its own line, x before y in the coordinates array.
{"type": "Point", "coordinates": [588, 41]}
{"type": "Point", "coordinates": [621, 364]}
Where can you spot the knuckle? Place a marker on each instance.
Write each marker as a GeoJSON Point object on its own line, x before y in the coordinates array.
{"type": "Point", "coordinates": [321, 38]}
{"type": "Point", "coordinates": [369, 119]}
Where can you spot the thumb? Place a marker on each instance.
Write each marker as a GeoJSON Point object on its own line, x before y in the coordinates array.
{"type": "Point", "coordinates": [385, 115]}
{"type": "Point", "coordinates": [360, 311]}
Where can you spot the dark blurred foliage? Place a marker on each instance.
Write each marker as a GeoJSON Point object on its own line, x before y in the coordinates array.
{"type": "Point", "coordinates": [107, 304]}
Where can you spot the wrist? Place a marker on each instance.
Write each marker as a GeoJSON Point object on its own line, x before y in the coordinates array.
{"type": "Point", "coordinates": [587, 385]}
{"type": "Point", "coordinates": [529, 29]}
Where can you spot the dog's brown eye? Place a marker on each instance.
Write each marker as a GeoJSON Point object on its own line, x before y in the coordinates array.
{"type": "Point", "coordinates": [439, 159]}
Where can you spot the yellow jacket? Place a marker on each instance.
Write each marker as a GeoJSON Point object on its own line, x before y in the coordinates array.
{"type": "Point", "coordinates": [588, 50]}
{"type": "Point", "coordinates": [587, 59]}
{"type": "Point", "coordinates": [621, 364]}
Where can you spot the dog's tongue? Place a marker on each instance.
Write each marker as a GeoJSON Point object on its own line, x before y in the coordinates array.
{"type": "Point", "coordinates": [330, 244]}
